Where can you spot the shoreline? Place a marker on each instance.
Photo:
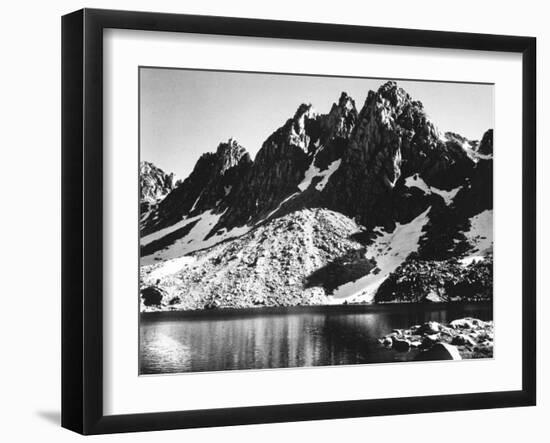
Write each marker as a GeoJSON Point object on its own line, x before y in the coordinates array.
{"type": "Point", "coordinates": [464, 338]}
{"type": "Point", "coordinates": [285, 310]}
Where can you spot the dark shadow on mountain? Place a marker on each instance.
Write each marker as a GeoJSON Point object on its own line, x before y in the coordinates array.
{"type": "Point", "coordinates": [331, 152]}
{"type": "Point", "coordinates": [365, 237]}
{"type": "Point", "coordinates": [167, 240]}
{"type": "Point", "coordinates": [346, 268]}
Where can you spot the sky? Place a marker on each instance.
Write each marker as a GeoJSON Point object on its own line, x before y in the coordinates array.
{"type": "Point", "coordinates": [184, 113]}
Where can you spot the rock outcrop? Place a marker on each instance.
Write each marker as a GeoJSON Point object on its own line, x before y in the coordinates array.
{"type": "Point", "coordinates": [154, 185]}
{"type": "Point", "coordinates": [438, 281]}
{"type": "Point", "coordinates": [460, 339]}
{"type": "Point", "coordinates": [392, 140]}
{"type": "Point", "coordinates": [152, 296]}
{"type": "Point", "coordinates": [486, 144]}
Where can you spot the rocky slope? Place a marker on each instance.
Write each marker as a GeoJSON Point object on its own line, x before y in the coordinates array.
{"type": "Point", "coordinates": [343, 206]}
{"type": "Point", "coordinates": [438, 281]}
{"type": "Point", "coordinates": [284, 263]}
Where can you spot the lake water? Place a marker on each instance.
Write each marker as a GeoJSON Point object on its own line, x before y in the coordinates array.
{"type": "Point", "coordinates": [172, 342]}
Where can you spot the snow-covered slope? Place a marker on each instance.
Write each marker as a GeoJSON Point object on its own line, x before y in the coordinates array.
{"type": "Point", "coordinates": [197, 236]}
{"type": "Point", "coordinates": [479, 236]}
{"type": "Point", "coordinates": [388, 251]}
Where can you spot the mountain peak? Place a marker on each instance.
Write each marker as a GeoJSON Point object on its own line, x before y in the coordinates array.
{"type": "Point", "coordinates": [486, 143]}
{"type": "Point", "coordinates": [231, 145]}
{"type": "Point", "coordinates": [396, 96]}
{"type": "Point", "coordinates": [155, 184]}
{"type": "Point", "coordinates": [229, 154]}
{"type": "Point", "coordinates": [341, 119]}
{"type": "Point", "coordinates": [346, 102]}
{"type": "Point", "coordinates": [303, 111]}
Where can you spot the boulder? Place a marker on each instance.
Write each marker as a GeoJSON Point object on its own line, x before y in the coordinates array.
{"type": "Point", "coordinates": [463, 340]}
{"type": "Point", "coordinates": [212, 304]}
{"type": "Point", "coordinates": [428, 341]}
{"type": "Point", "coordinates": [484, 346]}
{"type": "Point", "coordinates": [440, 351]}
{"type": "Point", "coordinates": [484, 335]}
{"type": "Point", "coordinates": [447, 331]}
{"type": "Point", "coordinates": [467, 323]}
{"type": "Point", "coordinates": [152, 296]}
{"type": "Point", "coordinates": [431, 327]}
{"type": "Point", "coordinates": [401, 345]}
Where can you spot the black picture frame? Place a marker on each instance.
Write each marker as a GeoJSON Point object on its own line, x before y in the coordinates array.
{"type": "Point", "coordinates": [82, 218]}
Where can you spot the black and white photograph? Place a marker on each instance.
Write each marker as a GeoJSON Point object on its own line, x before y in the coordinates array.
{"type": "Point", "coordinates": [302, 220]}
{"type": "Point", "coordinates": [275, 221]}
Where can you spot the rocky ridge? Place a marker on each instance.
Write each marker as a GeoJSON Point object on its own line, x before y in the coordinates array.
{"type": "Point", "coordinates": [154, 186]}
{"type": "Point", "coordinates": [379, 168]}
{"type": "Point", "coordinates": [210, 185]}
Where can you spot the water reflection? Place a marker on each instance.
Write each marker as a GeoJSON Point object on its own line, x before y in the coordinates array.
{"type": "Point", "coordinates": [175, 342]}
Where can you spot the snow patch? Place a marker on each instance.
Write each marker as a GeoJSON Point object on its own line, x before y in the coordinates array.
{"type": "Point", "coordinates": [467, 147]}
{"type": "Point", "coordinates": [145, 240]}
{"type": "Point", "coordinates": [194, 240]}
{"type": "Point", "coordinates": [417, 182]}
{"type": "Point", "coordinates": [466, 261]}
{"type": "Point", "coordinates": [389, 251]}
{"type": "Point", "coordinates": [235, 232]}
{"type": "Point", "coordinates": [313, 171]}
{"type": "Point", "coordinates": [433, 297]}
{"type": "Point", "coordinates": [332, 168]}
{"type": "Point", "coordinates": [473, 154]}
{"type": "Point", "coordinates": [480, 233]}
{"type": "Point", "coordinates": [172, 266]}
{"type": "Point", "coordinates": [195, 203]}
